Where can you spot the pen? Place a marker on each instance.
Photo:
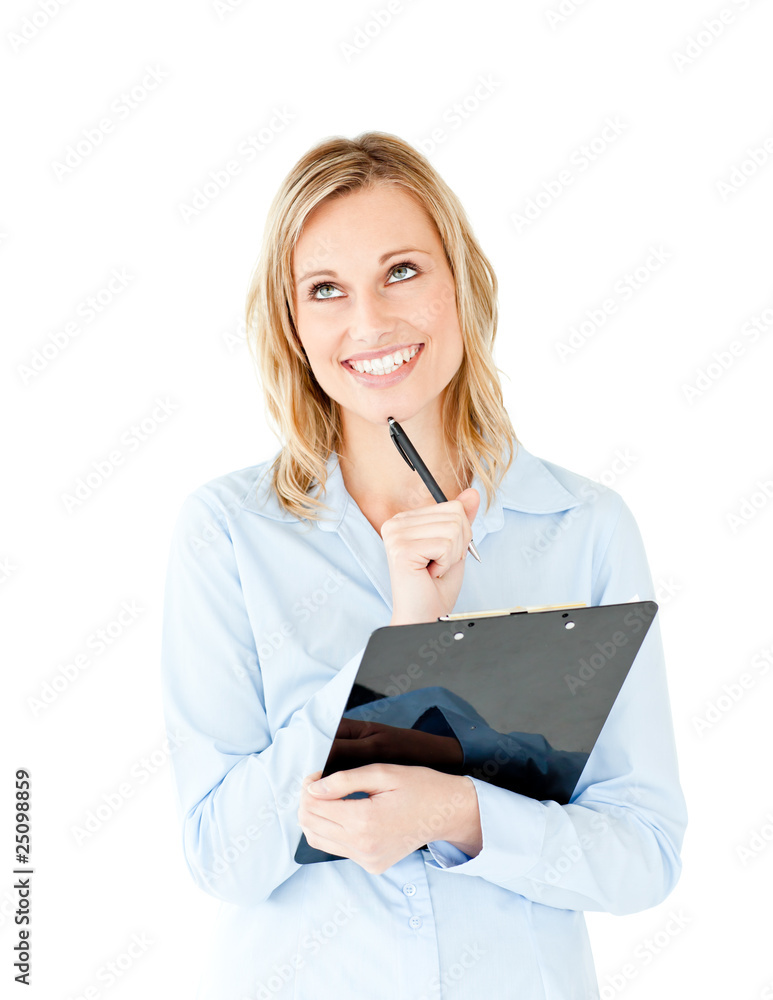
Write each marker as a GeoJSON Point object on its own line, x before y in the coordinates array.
{"type": "Point", "coordinates": [411, 456]}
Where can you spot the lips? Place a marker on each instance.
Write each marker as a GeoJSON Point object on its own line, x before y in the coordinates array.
{"type": "Point", "coordinates": [372, 355]}
{"type": "Point", "coordinates": [385, 380]}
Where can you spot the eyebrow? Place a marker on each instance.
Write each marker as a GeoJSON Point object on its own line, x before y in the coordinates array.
{"type": "Point", "coordinates": [382, 260]}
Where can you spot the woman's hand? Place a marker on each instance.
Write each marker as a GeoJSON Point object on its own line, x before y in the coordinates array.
{"type": "Point", "coordinates": [406, 808]}
{"type": "Point", "coordinates": [426, 549]}
{"type": "Point", "coordinates": [359, 742]}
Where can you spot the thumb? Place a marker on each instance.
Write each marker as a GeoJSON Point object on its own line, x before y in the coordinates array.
{"type": "Point", "coordinates": [342, 783]}
{"type": "Point", "coordinates": [470, 500]}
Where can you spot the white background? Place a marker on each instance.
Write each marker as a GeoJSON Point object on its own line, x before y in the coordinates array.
{"type": "Point", "coordinates": [691, 101]}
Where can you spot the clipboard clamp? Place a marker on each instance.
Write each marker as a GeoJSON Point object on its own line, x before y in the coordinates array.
{"type": "Point", "coordinates": [517, 610]}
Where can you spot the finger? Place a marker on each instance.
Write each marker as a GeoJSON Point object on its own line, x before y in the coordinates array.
{"type": "Point", "coordinates": [434, 538]}
{"type": "Point", "coordinates": [438, 514]}
{"type": "Point", "coordinates": [349, 753]}
{"type": "Point", "coordinates": [327, 844]}
{"type": "Point", "coordinates": [440, 572]}
{"type": "Point", "coordinates": [433, 531]}
{"type": "Point", "coordinates": [350, 729]}
{"type": "Point", "coordinates": [449, 527]}
{"type": "Point", "coordinates": [370, 778]}
{"type": "Point", "coordinates": [336, 819]}
{"type": "Point", "coordinates": [454, 504]}
{"type": "Point", "coordinates": [323, 814]}
{"type": "Point", "coordinates": [441, 552]}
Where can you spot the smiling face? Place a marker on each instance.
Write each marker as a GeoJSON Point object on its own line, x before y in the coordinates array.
{"type": "Point", "coordinates": [372, 282]}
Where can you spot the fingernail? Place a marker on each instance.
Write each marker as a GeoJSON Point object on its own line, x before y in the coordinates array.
{"type": "Point", "coordinates": [318, 788]}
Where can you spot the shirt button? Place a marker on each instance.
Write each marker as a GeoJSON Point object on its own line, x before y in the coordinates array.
{"type": "Point", "coordinates": [415, 921]}
{"type": "Point", "coordinates": [409, 889]}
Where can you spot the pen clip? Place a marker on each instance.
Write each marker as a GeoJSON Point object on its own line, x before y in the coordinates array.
{"type": "Point", "coordinates": [394, 435]}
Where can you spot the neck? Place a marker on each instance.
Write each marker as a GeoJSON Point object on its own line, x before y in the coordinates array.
{"type": "Point", "coordinates": [377, 476]}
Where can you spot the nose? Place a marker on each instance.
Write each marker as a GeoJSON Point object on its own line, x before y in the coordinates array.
{"type": "Point", "coordinates": [371, 317]}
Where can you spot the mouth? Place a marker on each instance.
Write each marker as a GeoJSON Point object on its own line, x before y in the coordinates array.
{"type": "Point", "coordinates": [385, 367]}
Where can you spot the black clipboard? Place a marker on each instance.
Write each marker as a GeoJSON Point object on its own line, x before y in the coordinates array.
{"type": "Point", "coordinates": [516, 697]}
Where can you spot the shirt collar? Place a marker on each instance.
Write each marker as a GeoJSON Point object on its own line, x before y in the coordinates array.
{"type": "Point", "coordinates": [528, 486]}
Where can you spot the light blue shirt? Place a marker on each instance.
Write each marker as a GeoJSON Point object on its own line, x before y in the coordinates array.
{"type": "Point", "coordinates": [265, 622]}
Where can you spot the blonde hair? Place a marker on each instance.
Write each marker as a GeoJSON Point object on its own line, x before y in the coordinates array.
{"type": "Point", "coordinates": [307, 419]}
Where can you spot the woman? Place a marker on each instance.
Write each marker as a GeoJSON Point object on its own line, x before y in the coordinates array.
{"type": "Point", "coordinates": [279, 573]}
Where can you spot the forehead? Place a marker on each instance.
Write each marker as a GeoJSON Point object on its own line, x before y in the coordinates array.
{"type": "Point", "coordinates": [361, 224]}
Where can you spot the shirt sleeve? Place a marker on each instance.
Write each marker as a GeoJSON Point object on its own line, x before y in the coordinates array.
{"type": "Point", "coordinates": [530, 765]}
{"type": "Point", "coordinates": [238, 785]}
{"type": "Point", "coordinates": [615, 846]}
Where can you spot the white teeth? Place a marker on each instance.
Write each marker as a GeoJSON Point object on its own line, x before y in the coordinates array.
{"type": "Point", "coordinates": [387, 364]}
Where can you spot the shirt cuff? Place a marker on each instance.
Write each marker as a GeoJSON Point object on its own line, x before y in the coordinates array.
{"type": "Point", "coordinates": [513, 830]}
{"type": "Point", "coordinates": [446, 855]}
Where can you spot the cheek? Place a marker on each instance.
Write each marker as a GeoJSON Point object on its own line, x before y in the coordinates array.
{"type": "Point", "coordinates": [316, 339]}
{"type": "Point", "coordinates": [440, 308]}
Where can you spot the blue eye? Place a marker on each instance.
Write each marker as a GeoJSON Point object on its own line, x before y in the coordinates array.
{"type": "Point", "coordinates": [396, 267]}
{"type": "Point", "coordinates": [315, 288]}
{"type": "Point", "coordinates": [406, 265]}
